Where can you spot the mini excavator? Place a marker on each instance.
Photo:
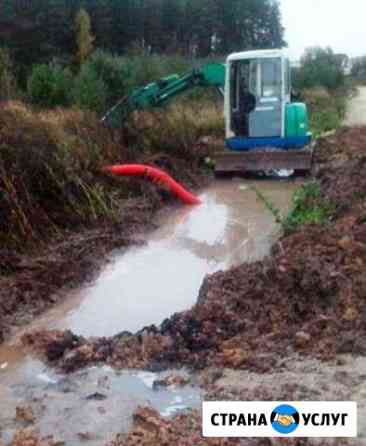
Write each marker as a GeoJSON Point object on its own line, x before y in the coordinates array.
{"type": "Point", "coordinates": [265, 131]}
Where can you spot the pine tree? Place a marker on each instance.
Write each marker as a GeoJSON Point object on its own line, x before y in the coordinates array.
{"type": "Point", "coordinates": [84, 37]}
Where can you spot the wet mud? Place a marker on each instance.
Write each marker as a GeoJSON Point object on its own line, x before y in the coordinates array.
{"type": "Point", "coordinates": [92, 405]}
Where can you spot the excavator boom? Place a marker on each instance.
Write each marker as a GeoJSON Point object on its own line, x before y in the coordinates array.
{"type": "Point", "coordinates": [159, 93]}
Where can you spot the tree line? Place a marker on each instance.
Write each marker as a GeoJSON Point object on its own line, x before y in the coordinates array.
{"type": "Point", "coordinates": [41, 30]}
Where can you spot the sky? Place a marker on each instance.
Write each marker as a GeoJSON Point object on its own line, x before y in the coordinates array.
{"type": "Point", "coordinates": [340, 24]}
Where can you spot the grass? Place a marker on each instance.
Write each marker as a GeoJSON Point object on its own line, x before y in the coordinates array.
{"type": "Point", "coordinates": [176, 129]}
{"type": "Point", "coordinates": [307, 207]}
{"type": "Point", "coordinates": [269, 205]}
{"type": "Point", "coordinates": [326, 110]}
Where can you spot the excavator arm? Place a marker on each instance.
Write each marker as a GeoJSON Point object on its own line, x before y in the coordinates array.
{"type": "Point", "coordinates": [158, 93]}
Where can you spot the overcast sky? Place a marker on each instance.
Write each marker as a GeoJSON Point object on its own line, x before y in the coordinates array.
{"type": "Point", "coordinates": [340, 24]}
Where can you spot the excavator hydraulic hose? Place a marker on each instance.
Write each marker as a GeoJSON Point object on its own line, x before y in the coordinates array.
{"type": "Point", "coordinates": [158, 177]}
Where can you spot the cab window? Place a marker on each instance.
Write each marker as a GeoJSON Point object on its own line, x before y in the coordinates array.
{"type": "Point", "coordinates": [271, 79]}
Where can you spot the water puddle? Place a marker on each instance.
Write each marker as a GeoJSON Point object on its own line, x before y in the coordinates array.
{"type": "Point", "coordinates": [93, 404]}
{"type": "Point", "coordinates": [147, 284]}
{"type": "Point", "coordinates": [139, 287]}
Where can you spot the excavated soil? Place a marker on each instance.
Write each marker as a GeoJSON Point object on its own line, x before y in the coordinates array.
{"type": "Point", "coordinates": [33, 281]}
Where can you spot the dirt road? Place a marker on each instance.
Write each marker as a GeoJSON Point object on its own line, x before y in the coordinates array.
{"type": "Point", "coordinates": [356, 110]}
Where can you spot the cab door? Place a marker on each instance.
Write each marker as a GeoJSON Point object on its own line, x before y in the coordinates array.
{"type": "Point", "coordinates": [267, 81]}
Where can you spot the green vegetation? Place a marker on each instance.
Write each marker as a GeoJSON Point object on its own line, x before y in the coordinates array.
{"type": "Point", "coordinates": [49, 86]}
{"type": "Point", "coordinates": [269, 205]}
{"type": "Point", "coordinates": [326, 110]}
{"type": "Point", "coordinates": [324, 87]}
{"type": "Point", "coordinates": [84, 37]}
{"type": "Point", "coordinates": [358, 71]}
{"type": "Point", "coordinates": [308, 207]}
{"type": "Point", "coordinates": [192, 28]}
{"type": "Point", "coordinates": [89, 92]}
{"type": "Point", "coordinates": [320, 67]}
{"type": "Point", "coordinates": [102, 79]}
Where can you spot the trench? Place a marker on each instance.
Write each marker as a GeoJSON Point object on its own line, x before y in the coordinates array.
{"type": "Point", "coordinates": [139, 287]}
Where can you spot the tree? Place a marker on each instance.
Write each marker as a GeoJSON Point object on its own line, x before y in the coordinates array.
{"type": "Point", "coordinates": [7, 84]}
{"type": "Point", "coordinates": [84, 37]}
{"type": "Point", "coordinates": [358, 70]}
{"type": "Point", "coordinates": [320, 67]}
{"type": "Point", "coordinates": [45, 29]}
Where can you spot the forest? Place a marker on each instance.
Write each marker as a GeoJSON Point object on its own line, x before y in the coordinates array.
{"type": "Point", "coordinates": [195, 28]}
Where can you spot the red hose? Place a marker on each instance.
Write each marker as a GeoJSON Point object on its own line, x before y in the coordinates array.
{"type": "Point", "coordinates": [158, 176]}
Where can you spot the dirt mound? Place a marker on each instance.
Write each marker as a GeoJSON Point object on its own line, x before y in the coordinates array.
{"type": "Point", "coordinates": [308, 297]}
{"type": "Point", "coordinates": [345, 144]}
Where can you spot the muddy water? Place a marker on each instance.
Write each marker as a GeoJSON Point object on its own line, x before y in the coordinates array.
{"type": "Point", "coordinates": [149, 283]}
{"type": "Point", "coordinates": [140, 287]}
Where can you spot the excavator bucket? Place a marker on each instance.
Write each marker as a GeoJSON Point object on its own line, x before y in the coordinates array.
{"type": "Point", "coordinates": [263, 160]}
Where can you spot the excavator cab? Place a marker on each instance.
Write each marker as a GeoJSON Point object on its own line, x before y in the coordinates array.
{"type": "Point", "coordinates": [258, 104]}
{"type": "Point", "coordinates": [263, 127]}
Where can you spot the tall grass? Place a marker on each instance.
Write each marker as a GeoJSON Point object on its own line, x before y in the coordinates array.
{"type": "Point", "coordinates": [50, 172]}
{"type": "Point", "coordinates": [178, 128]}
{"type": "Point", "coordinates": [327, 110]}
